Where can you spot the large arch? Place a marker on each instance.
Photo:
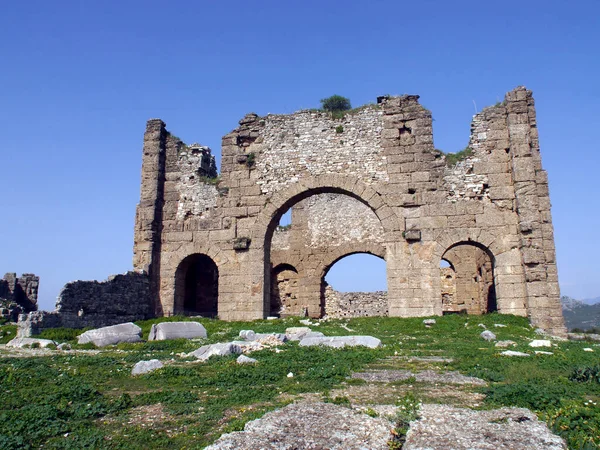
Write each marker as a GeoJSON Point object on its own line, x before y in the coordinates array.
{"type": "Point", "coordinates": [281, 201]}
{"type": "Point", "coordinates": [196, 286]}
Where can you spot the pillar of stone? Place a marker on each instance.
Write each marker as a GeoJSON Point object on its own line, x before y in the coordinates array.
{"type": "Point", "coordinates": [533, 207]}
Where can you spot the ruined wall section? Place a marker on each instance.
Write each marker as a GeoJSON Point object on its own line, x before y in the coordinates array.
{"type": "Point", "coordinates": [18, 295]}
{"type": "Point", "coordinates": [80, 304]}
{"type": "Point", "coordinates": [343, 305]}
{"type": "Point", "coordinates": [335, 220]}
{"type": "Point", "coordinates": [310, 143]}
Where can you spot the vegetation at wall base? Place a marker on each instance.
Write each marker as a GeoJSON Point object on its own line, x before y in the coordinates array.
{"type": "Point", "coordinates": [88, 399]}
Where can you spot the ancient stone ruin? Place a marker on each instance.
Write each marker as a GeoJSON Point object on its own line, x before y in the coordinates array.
{"type": "Point", "coordinates": [369, 182]}
{"type": "Point", "coordinates": [473, 236]}
{"type": "Point", "coordinates": [18, 295]}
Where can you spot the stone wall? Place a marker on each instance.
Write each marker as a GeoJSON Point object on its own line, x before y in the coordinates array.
{"type": "Point", "coordinates": [80, 304]}
{"type": "Point", "coordinates": [18, 295]}
{"type": "Point", "coordinates": [343, 305]}
{"type": "Point", "coordinates": [415, 207]}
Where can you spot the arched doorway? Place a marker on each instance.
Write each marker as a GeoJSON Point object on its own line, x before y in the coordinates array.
{"type": "Point", "coordinates": [284, 291]}
{"type": "Point", "coordinates": [467, 279]}
{"type": "Point", "coordinates": [355, 285]}
{"type": "Point", "coordinates": [197, 286]}
{"type": "Point", "coordinates": [321, 221]}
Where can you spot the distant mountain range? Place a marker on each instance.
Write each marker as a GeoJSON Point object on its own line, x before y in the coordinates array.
{"type": "Point", "coordinates": [591, 301]}
{"type": "Point", "coordinates": [581, 314]}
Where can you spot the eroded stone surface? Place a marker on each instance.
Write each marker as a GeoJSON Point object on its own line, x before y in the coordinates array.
{"type": "Point", "coordinates": [447, 427]}
{"type": "Point", "coordinates": [223, 349]}
{"type": "Point", "coordinates": [309, 426]}
{"type": "Point", "coordinates": [143, 367]}
{"type": "Point", "coordinates": [176, 330]}
{"type": "Point", "coordinates": [341, 341]}
{"type": "Point", "coordinates": [428, 376]}
{"type": "Point", "coordinates": [115, 334]}
{"type": "Point", "coordinates": [23, 342]}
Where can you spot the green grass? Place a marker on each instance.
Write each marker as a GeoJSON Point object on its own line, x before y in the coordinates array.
{"type": "Point", "coordinates": [7, 333]}
{"type": "Point", "coordinates": [79, 400]}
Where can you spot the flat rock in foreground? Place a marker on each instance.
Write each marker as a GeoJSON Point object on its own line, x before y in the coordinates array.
{"type": "Point", "coordinates": [447, 427]}
{"type": "Point", "coordinates": [115, 334]}
{"type": "Point", "coordinates": [309, 426]}
{"type": "Point", "coordinates": [176, 330]}
{"type": "Point", "coordinates": [341, 341]}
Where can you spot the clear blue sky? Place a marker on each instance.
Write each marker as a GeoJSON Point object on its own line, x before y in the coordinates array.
{"type": "Point", "coordinates": [79, 79]}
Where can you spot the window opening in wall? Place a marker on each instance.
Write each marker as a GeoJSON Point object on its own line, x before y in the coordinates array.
{"type": "Point", "coordinates": [355, 286]}
{"type": "Point", "coordinates": [285, 223]}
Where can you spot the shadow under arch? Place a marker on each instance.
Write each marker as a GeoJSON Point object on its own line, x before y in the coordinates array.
{"type": "Point", "coordinates": [197, 286]}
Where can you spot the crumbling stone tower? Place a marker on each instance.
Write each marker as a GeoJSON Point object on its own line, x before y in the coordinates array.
{"type": "Point", "coordinates": [369, 182]}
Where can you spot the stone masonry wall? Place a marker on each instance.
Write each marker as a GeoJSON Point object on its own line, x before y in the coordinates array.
{"type": "Point", "coordinates": [121, 298]}
{"type": "Point", "coordinates": [383, 157]}
{"type": "Point", "coordinates": [341, 305]}
{"type": "Point", "coordinates": [18, 295]}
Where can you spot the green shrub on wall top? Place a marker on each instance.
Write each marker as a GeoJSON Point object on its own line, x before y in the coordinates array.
{"type": "Point", "coordinates": [336, 103]}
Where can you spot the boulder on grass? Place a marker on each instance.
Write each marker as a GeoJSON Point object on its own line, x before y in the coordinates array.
{"type": "Point", "coordinates": [115, 334]}
{"type": "Point", "coordinates": [176, 330]}
{"type": "Point", "coordinates": [488, 335]}
{"type": "Point", "coordinates": [223, 349]}
{"type": "Point", "coordinates": [23, 342]}
{"type": "Point", "coordinates": [299, 333]}
{"type": "Point", "coordinates": [143, 367]}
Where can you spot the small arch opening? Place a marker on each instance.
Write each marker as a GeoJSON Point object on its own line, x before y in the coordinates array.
{"type": "Point", "coordinates": [284, 290]}
{"type": "Point", "coordinates": [467, 279]}
{"type": "Point", "coordinates": [355, 285]}
{"type": "Point", "coordinates": [197, 286]}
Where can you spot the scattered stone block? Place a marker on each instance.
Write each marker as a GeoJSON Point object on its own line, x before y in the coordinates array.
{"type": "Point", "coordinates": [505, 344]}
{"type": "Point", "coordinates": [143, 367]}
{"type": "Point", "coordinates": [176, 330]}
{"type": "Point", "coordinates": [499, 325]}
{"type": "Point", "coordinates": [115, 334]}
{"type": "Point", "coordinates": [341, 341]}
{"type": "Point", "coordinates": [539, 352]}
{"type": "Point", "coordinates": [587, 349]}
{"type": "Point", "coordinates": [24, 342]}
{"type": "Point", "coordinates": [64, 346]}
{"type": "Point", "coordinates": [223, 349]}
{"type": "Point", "coordinates": [540, 343]}
{"type": "Point", "coordinates": [243, 359]}
{"type": "Point", "coordinates": [488, 335]}
{"type": "Point", "coordinates": [429, 322]}
{"type": "Point", "coordinates": [299, 333]}
{"type": "Point", "coordinates": [513, 353]}
{"type": "Point", "coordinates": [250, 335]}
